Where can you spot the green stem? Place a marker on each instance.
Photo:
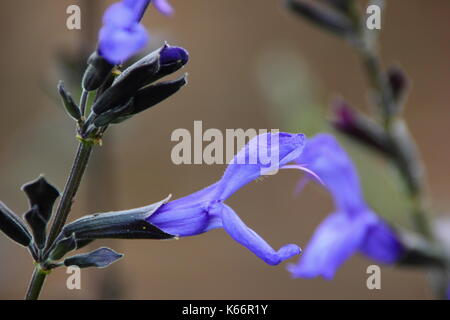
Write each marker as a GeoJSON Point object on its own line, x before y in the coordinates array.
{"type": "Point", "coordinates": [36, 283]}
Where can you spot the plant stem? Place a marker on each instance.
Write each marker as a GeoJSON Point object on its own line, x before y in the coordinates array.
{"type": "Point", "coordinates": [36, 283]}
{"type": "Point", "coordinates": [71, 188]}
{"type": "Point", "coordinates": [405, 156]}
{"type": "Point", "coordinates": [404, 151]}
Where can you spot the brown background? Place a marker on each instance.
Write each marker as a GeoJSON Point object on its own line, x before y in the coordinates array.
{"type": "Point", "coordinates": [253, 65]}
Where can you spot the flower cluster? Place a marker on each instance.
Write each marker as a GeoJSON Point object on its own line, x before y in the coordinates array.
{"type": "Point", "coordinates": [122, 94]}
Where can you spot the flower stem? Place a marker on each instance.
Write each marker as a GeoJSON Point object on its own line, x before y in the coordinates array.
{"type": "Point", "coordinates": [71, 188]}
{"type": "Point", "coordinates": [36, 283]}
{"type": "Point", "coordinates": [405, 155]}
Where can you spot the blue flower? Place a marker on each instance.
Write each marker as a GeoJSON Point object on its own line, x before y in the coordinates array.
{"type": "Point", "coordinates": [163, 6]}
{"type": "Point", "coordinates": [122, 34]}
{"type": "Point", "coordinates": [205, 210]}
{"type": "Point", "coordinates": [353, 226]}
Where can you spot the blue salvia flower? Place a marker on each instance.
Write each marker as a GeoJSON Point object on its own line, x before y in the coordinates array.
{"type": "Point", "coordinates": [205, 210]}
{"type": "Point", "coordinates": [122, 34]}
{"type": "Point", "coordinates": [353, 226]}
{"type": "Point", "coordinates": [163, 6]}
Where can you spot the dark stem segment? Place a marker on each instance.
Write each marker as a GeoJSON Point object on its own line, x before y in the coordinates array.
{"type": "Point", "coordinates": [404, 150]}
{"type": "Point", "coordinates": [71, 188]}
{"type": "Point", "coordinates": [405, 156]}
{"type": "Point", "coordinates": [36, 283]}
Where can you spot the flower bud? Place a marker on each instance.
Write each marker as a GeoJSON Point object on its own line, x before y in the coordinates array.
{"type": "Point", "coordinates": [127, 84]}
{"type": "Point", "coordinates": [96, 73]}
{"type": "Point", "coordinates": [323, 16]}
{"type": "Point", "coordinates": [398, 83]}
{"type": "Point", "coordinates": [71, 107]}
{"type": "Point", "coordinates": [132, 91]}
{"type": "Point", "coordinates": [358, 127]}
{"type": "Point", "coordinates": [13, 226]}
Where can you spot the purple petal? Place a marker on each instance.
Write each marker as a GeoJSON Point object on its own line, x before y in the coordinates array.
{"type": "Point", "coordinates": [119, 15]}
{"type": "Point", "coordinates": [164, 7]}
{"type": "Point", "coordinates": [118, 44]}
{"type": "Point", "coordinates": [187, 216]}
{"type": "Point", "coordinates": [382, 244]}
{"type": "Point", "coordinates": [327, 159]}
{"type": "Point", "coordinates": [138, 7]}
{"type": "Point", "coordinates": [169, 55]}
{"type": "Point", "coordinates": [242, 234]}
{"type": "Point", "coordinates": [264, 154]}
{"type": "Point", "coordinates": [334, 241]}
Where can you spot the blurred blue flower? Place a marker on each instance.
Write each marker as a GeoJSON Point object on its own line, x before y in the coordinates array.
{"type": "Point", "coordinates": [205, 210]}
{"type": "Point", "coordinates": [353, 226]}
{"type": "Point", "coordinates": [163, 6]}
{"type": "Point", "coordinates": [122, 34]}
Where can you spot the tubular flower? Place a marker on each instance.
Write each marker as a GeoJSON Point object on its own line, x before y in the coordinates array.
{"type": "Point", "coordinates": [353, 226]}
{"type": "Point", "coordinates": [205, 210]}
{"type": "Point", "coordinates": [122, 34]}
{"type": "Point", "coordinates": [164, 7]}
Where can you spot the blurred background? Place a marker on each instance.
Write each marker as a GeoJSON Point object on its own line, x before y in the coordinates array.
{"type": "Point", "coordinates": [253, 65]}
